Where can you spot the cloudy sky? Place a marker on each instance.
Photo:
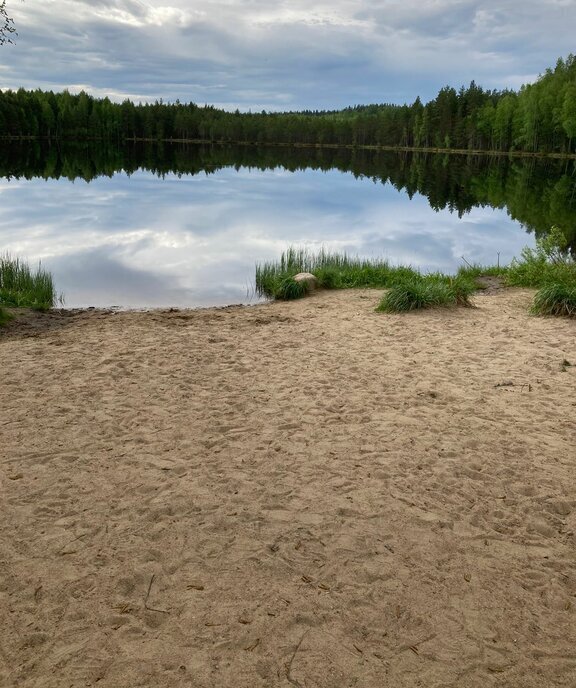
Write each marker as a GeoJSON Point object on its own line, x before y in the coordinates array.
{"type": "Point", "coordinates": [282, 54]}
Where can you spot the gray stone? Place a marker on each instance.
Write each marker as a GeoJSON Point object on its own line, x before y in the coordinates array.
{"type": "Point", "coordinates": [307, 277]}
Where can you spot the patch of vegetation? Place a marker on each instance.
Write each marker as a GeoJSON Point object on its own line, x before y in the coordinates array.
{"type": "Point", "coordinates": [477, 274]}
{"type": "Point", "coordinates": [5, 316]}
{"type": "Point", "coordinates": [472, 272]}
{"type": "Point", "coordinates": [332, 270]}
{"type": "Point", "coordinates": [288, 289]}
{"type": "Point", "coordinates": [460, 290]}
{"type": "Point", "coordinates": [21, 287]}
{"type": "Point", "coordinates": [549, 266]}
{"type": "Point", "coordinates": [409, 296]}
{"type": "Point", "coordinates": [549, 263]}
{"type": "Point", "coordinates": [409, 289]}
{"type": "Point", "coordinates": [427, 292]}
{"type": "Point", "coordinates": [329, 277]}
{"type": "Point", "coordinates": [555, 299]}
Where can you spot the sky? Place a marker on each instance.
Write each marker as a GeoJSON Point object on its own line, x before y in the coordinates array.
{"type": "Point", "coordinates": [280, 55]}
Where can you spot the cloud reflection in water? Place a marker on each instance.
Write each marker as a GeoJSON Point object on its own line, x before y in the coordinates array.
{"type": "Point", "coordinates": [142, 241]}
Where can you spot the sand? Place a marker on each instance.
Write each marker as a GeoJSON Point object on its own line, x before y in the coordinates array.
{"type": "Point", "coordinates": [304, 494]}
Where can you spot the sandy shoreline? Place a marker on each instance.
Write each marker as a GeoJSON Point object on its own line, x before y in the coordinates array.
{"type": "Point", "coordinates": [290, 494]}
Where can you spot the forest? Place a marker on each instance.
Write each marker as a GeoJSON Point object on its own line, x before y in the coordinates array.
{"type": "Point", "coordinates": [538, 119]}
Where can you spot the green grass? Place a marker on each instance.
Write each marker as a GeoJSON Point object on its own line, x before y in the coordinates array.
{"type": "Point", "coordinates": [548, 263]}
{"type": "Point", "coordinates": [548, 267]}
{"type": "Point", "coordinates": [535, 271]}
{"type": "Point", "coordinates": [332, 270]}
{"type": "Point", "coordinates": [555, 299]}
{"type": "Point", "coordinates": [472, 273]}
{"type": "Point", "coordinates": [408, 288]}
{"type": "Point", "coordinates": [22, 287]}
{"type": "Point", "coordinates": [5, 316]}
{"type": "Point", "coordinates": [427, 291]}
{"type": "Point", "coordinates": [287, 289]}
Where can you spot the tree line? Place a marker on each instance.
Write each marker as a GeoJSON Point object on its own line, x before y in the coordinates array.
{"type": "Point", "coordinates": [539, 118]}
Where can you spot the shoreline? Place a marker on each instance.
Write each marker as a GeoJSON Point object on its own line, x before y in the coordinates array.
{"type": "Point", "coordinates": [433, 150]}
{"type": "Point", "coordinates": [304, 492]}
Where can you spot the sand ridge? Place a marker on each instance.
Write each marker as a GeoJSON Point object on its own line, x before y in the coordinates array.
{"type": "Point", "coordinates": [304, 494]}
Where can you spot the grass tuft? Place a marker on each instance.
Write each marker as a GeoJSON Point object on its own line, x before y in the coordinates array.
{"type": "Point", "coordinates": [408, 296]}
{"type": "Point", "coordinates": [5, 317]}
{"type": "Point", "coordinates": [555, 299]}
{"type": "Point", "coordinates": [288, 290]}
{"type": "Point", "coordinates": [460, 290]}
{"type": "Point", "coordinates": [21, 287]}
{"type": "Point", "coordinates": [329, 277]}
{"type": "Point", "coordinates": [427, 292]}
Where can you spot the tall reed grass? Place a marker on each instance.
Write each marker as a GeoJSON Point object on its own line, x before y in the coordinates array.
{"type": "Point", "coordinates": [409, 289]}
{"type": "Point", "coordinates": [22, 287]}
{"type": "Point", "coordinates": [332, 271]}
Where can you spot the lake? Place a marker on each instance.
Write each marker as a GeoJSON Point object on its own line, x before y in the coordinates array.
{"type": "Point", "coordinates": [132, 232]}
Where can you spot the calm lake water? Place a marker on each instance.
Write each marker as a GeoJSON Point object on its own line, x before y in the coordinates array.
{"type": "Point", "coordinates": [142, 240]}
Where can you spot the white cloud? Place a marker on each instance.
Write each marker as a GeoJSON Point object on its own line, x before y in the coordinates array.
{"type": "Point", "coordinates": [290, 53]}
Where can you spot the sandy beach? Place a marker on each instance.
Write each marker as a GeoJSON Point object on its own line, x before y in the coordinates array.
{"type": "Point", "coordinates": [305, 494]}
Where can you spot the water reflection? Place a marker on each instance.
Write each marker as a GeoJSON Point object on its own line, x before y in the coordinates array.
{"type": "Point", "coordinates": [144, 240]}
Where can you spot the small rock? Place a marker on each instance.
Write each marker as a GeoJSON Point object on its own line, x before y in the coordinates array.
{"type": "Point", "coordinates": [307, 277]}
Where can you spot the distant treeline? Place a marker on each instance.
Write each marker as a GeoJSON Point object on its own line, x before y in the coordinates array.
{"type": "Point", "coordinates": [539, 193]}
{"type": "Point", "coordinates": [540, 118]}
